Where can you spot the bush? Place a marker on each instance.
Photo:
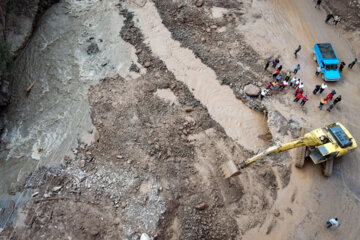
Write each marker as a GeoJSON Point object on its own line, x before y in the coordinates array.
{"type": "Point", "coordinates": [5, 57]}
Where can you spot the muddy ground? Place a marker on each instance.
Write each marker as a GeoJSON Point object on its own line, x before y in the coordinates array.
{"type": "Point", "coordinates": [154, 164]}
{"type": "Point", "coordinates": [154, 167]}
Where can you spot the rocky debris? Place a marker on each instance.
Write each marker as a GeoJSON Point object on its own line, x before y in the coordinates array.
{"type": "Point", "coordinates": [252, 90]}
{"type": "Point", "coordinates": [201, 206]}
{"type": "Point", "coordinates": [199, 3]}
{"type": "Point", "coordinates": [147, 64]}
{"type": "Point", "coordinates": [57, 188]}
{"type": "Point", "coordinates": [276, 213]}
{"type": "Point", "coordinates": [170, 156]}
{"type": "Point", "coordinates": [134, 68]}
{"type": "Point", "coordinates": [92, 49]}
{"type": "Point", "coordinates": [278, 123]}
{"type": "Point", "coordinates": [18, 20]}
{"type": "Point", "coordinates": [289, 211]}
{"type": "Point", "coordinates": [4, 93]}
{"type": "Point", "coordinates": [11, 207]}
{"type": "Point", "coordinates": [188, 109]}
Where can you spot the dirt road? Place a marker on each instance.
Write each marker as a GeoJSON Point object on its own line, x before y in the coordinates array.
{"type": "Point", "coordinates": [284, 25]}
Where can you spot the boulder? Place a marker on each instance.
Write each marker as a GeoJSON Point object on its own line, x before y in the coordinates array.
{"type": "Point", "coordinates": [252, 90]}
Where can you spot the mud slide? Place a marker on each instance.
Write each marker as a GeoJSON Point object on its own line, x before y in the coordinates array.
{"type": "Point", "coordinates": [239, 122]}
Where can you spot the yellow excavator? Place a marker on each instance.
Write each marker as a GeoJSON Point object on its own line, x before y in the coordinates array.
{"type": "Point", "coordinates": [322, 145]}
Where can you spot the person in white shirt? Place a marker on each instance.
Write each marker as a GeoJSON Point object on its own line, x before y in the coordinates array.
{"type": "Point", "coordinates": [263, 93]}
{"type": "Point", "coordinates": [292, 82]}
{"type": "Point", "coordinates": [284, 84]}
{"type": "Point", "coordinates": [332, 222]}
{"type": "Point", "coordinates": [297, 82]}
{"type": "Point", "coordinates": [323, 87]}
{"type": "Point", "coordinates": [318, 71]}
{"type": "Point", "coordinates": [301, 85]}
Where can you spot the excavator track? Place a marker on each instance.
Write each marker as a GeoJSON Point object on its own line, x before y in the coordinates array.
{"type": "Point", "coordinates": [300, 153]}
{"type": "Point", "coordinates": [300, 157]}
{"type": "Point", "coordinates": [328, 168]}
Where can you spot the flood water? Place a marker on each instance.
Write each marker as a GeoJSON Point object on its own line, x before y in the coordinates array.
{"type": "Point", "coordinates": [41, 128]}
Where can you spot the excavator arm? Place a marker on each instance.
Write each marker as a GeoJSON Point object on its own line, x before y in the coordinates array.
{"type": "Point", "coordinates": [230, 169]}
{"type": "Point", "coordinates": [324, 144]}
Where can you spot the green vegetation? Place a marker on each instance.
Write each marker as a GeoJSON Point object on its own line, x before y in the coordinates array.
{"type": "Point", "coordinates": [5, 57]}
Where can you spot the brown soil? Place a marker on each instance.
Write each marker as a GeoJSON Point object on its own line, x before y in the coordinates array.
{"type": "Point", "coordinates": [349, 11]}
{"type": "Point", "coordinates": [154, 168]}
{"type": "Point", "coordinates": [152, 165]}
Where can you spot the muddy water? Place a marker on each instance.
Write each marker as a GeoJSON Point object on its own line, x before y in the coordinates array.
{"type": "Point", "coordinates": [43, 127]}
{"type": "Point", "coordinates": [239, 122]}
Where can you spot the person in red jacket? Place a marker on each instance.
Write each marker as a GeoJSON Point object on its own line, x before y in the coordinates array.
{"type": "Point", "coordinates": [298, 97]}
{"type": "Point", "coordinates": [269, 86]}
{"type": "Point", "coordinates": [330, 95]}
{"type": "Point", "coordinates": [304, 100]}
{"type": "Point", "coordinates": [299, 90]}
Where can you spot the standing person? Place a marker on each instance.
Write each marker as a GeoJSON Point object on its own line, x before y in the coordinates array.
{"type": "Point", "coordinates": [318, 71]}
{"type": "Point", "coordinates": [297, 82]}
{"type": "Point", "coordinates": [329, 97]}
{"type": "Point", "coordinates": [328, 17]}
{"type": "Point", "coordinates": [267, 65]}
{"type": "Point", "coordinates": [341, 67]}
{"type": "Point", "coordinates": [274, 84]}
{"type": "Point", "coordinates": [293, 80]}
{"type": "Point", "coordinates": [279, 68]}
{"type": "Point", "coordinates": [304, 100]}
{"type": "Point", "coordinates": [269, 86]}
{"type": "Point", "coordinates": [298, 97]}
{"type": "Point", "coordinates": [297, 68]}
{"type": "Point", "coordinates": [299, 90]}
{"type": "Point", "coordinates": [323, 87]}
{"type": "Point", "coordinates": [336, 100]}
{"type": "Point", "coordinates": [301, 85]}
{"type": "Point", "coordinates": [288, 75]}
{"type": "Point", "coordinates": [336, 20]}
{"type": "Point", "coordinates": [263, 93]}
{"type": "Point", "coordinates": [276, 73]}
{"type": "Point", "coordinates": [297, 50]}
{"type": "Point", "coordinates": [322, 102]}
{"type": "Point", "coordinates": [317, 88]}
{"type": "Point", "coordinates": [283, 85]}
{"type": "Point", "coordinates": [318, 2]}
{"type": "Point", "coordinates": [332, 222]}
{"type": "Point", "coordinates": [278, 78]}
{"type": "Point", "coordinates": [275, 62]}
{"type": "Point", "coordinates": [350, 66]}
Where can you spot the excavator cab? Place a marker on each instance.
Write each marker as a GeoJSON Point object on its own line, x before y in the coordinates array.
{"type": "Point", "coordinates": [323, 153]}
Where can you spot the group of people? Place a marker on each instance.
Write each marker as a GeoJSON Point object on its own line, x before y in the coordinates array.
{"type": "Point", "coordinates": [295, 82]}
{"type": "Point", "coordinates": [282, 83]}
{"type": "Point", "coordinates": [328, 98]}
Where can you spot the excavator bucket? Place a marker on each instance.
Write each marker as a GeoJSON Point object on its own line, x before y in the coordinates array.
{"type": "Point", "coordinates": [229, 169]}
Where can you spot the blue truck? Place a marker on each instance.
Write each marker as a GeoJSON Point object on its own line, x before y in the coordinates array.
{"type": "Point", "coordinates": [325, 56]}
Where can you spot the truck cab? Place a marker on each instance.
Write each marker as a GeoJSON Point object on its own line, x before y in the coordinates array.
{"type": "Point", "coordinates": [325, 56]}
